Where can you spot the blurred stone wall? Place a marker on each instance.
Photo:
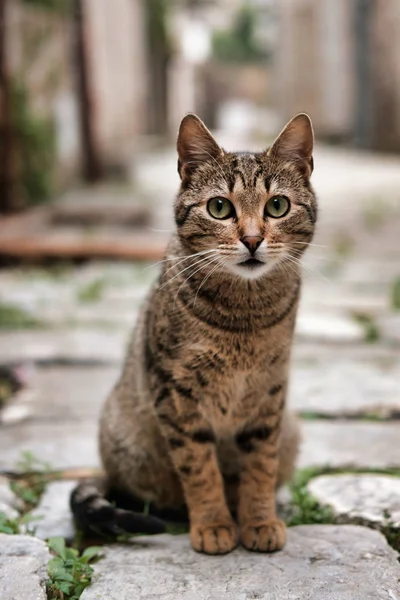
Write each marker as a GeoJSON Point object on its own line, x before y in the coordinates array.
{"type": "Point", "coordinates": [385, 68]}
{"type": "Point", "coordinates": [39, 57]}
{"type": "Point", "coordinates": [117, 67]}
{"type": "Point", "coordinates": [339, 61]}
{"type": "Point", "coordinates": [314, 71]}
{"type": "Point", "coordinates": [42, 59]}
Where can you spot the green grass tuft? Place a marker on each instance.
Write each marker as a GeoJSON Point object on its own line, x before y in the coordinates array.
{"type": "Point", "coordinates": [30, 488]}
{"type": "Point", "coordinates": [69, 572]}
{"type": "Point", "coordinates": [13, 317]}
{"type": "Point", "coordinates": [19, 525]}
{"type": "Point", "coordinates": [371, 330]}
{"type": "Point", "coordinates": [92, 292]}
{"type": "Point", "coordinates": [395, 294]}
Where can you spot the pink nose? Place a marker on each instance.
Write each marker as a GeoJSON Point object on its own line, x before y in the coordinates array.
{"type": "Point", "coordinates": [252, 242]}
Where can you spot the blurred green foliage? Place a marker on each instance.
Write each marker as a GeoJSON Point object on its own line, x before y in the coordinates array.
{"type": "Point", "coordinates": [395, 294]}
{"type": "Point", "coordinates": [36, 149]}
{"type": "Point", "coordinates": [14, 317]}
{"type": "Point", "coordinates": [57, 6]}
{"type": "Point", "coordinates": [239, 44]}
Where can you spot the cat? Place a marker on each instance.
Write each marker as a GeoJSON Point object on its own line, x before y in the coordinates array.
{"type": "Point", "coordinates": [198, 417]}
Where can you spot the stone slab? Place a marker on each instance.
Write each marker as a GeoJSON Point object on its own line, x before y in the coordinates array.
{"type": "Point", "coordinates": [367, 498]}
{"type": "Point", "coordinates": [350, 444]}
{"type": "Point", "coordinates": [327, 327]}
{"type": "Point", "coordinates": [348, 381]}
{"type": "Point", "coordinates": [63, 445]}
{"type": "Point", "coordinates": [61, 426]}
{"type": "Point", "coordinates": [66, 393]}
{"type": "Point", "coordinates": [54, 512]}
{"type": "Point", "coordinates": [87, 346]}
{"type": "Point", "coordinates": [23, 562]}
{"type": "Point", "coordinates": [319, 562]}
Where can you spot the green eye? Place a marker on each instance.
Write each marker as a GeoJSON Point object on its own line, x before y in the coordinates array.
{"type": "Point", "coordinates": [220, 208]}
{"type": "Point", "coordinates": [277, 206]}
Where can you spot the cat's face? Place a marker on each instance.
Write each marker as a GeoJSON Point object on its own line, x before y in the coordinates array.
{"type": "Point", "coordinates": [242, 212]}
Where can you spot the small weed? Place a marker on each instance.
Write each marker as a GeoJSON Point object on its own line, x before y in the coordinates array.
{"type": "Point", "coordinates": [395, 294]}
{"type": "Point", "coordinates": [92, 292]}
{"type": "Point", "coordinates": [374, 214]}
{"type": "Point", "coordinates": [391, 533]}
{"type": "Point", "coordinates": [19, 525]}
{"type": "Point", "coordinates": [369, 325]}
{"type": "Point", "coordinates": [30, 488]}
{"type": "Point", "coordinates": [177, 528]}
{"type": "Point", "coordinates": [13, 317]}
{"type": "Point", "coordinates": [304, 509]}
{"type": "Point", "coordinates": [343, 245]}
{"type": "Point", "coordinates": [69, 573]}
{"type": "Point", "coordinates": [6, 391]}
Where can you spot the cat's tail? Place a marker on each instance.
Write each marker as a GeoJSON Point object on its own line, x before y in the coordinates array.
{"type": "Point", "coordinates": [93, 512]}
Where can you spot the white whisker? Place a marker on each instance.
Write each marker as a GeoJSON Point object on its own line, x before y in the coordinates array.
{"type": "Point", "coordinates": [212, 260]}
{"type": "Point", "coordinates": [183, 270]}
{"type": "Point", "coordinates": [295, 261]}
{"type": "Point", "coordinates": [205, 279]}
{"type": "Point", "coordinates": [160, 262]}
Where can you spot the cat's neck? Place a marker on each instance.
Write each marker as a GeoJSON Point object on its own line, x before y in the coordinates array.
{"type": "Point", "coordinates": [221, 297]}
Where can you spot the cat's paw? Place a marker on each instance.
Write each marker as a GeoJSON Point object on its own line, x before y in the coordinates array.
{"type": "Point", "coordinates": [267, 536]}
{"type": "Point", "coordinates": [214, 538]}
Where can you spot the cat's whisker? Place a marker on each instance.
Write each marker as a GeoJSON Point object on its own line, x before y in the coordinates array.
{"type": "Point", "coordinates": [160, 230]}
{"type": "Point", "coordinates": [310, 244]}
{"type": "Point", "coordinates": [207, 253]}
{"type": "Point", "coordinates": [310, 270]}
{"type": "Point", "coordinates": [205, 258]}
{"type": "Point", "coordinates": [205, 279]}
{"type": "Point", "coordinates": [212, 260]}
{"type": "Point", "coordinates": [160, 262]}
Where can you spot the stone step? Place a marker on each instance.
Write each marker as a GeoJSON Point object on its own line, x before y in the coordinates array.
{"type": "Point", "coordinates": [23, 562]}
{"type": "Point", "coordinates": [319, 562]}
{"type": "Point", "coordinates": [366, 498]}
{"type": "Point", "coordinates": [350, 444]}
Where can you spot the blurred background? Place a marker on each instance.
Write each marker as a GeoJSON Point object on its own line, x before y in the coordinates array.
{"type": "Point", "coordinates": [91, 95]}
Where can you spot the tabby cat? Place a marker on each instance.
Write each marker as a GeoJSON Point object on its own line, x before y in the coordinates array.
{"type": "Point", "coordinates": [198, 417]}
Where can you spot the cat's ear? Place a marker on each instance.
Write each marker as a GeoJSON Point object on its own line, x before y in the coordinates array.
{"type": "Point", "coordinates": [195, 145]}
{"type": "Point", "coordinates": [295, 144]}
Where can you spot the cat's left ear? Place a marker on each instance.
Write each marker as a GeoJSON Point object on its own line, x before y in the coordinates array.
{"type": "Point", "coordinates": [195, 145]}
{"type": "Point", "coordinates": [295, 144]}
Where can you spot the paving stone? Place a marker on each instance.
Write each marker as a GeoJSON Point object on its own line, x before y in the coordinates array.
{"type": "Point", "coordinates": [332, 327]}
{"type": "Point", "coordinates": [23, 562]}
{"type": "Point", "coordinates": [347, 444]}
{"type": "Point", "coordinates": [63, 445]}
{"type": "Point", "coordinates": [63, 421]}
{"type": "Point", "coordinates": [54, 512]}
{"type": "Point", "coordinates": [65, 393]}
{"type": "Point", "coordinates": [89, 346]}
{"type": "Point", "coordinates": [320, 562]}
{"type": "Point", "coordinates": [345, 381]}
{"type": "Point", "coordinates": [364, 498]}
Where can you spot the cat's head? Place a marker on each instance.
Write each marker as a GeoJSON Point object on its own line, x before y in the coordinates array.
{"type": "Point", "coordinates": [247, 212]}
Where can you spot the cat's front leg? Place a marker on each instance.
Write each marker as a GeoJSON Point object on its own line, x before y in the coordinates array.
{"type": "Point", "coordinates": [260, 529]}
{"type": "Point", "coordinates": [191, 443]}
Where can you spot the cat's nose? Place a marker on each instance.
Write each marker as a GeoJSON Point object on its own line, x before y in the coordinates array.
{"type": "Point", "coordinates": [252, 242]}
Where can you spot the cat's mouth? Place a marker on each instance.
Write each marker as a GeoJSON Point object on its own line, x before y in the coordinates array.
{"type": "Point", "coordinates": [251, 263]}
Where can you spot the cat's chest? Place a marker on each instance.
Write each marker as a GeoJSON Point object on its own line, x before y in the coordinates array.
{"type": "Point", "coordinates": [233, 397]}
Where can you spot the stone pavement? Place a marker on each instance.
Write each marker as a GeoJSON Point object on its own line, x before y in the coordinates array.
{"type": "Point", "coordinates": [344, 385]}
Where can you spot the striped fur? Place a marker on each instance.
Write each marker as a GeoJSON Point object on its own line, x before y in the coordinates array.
{"type": "Point", "coordinates": [198, 417]}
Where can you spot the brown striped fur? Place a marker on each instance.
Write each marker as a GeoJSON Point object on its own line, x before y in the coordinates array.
{"type": "Point", "coordinates": [198, 416]}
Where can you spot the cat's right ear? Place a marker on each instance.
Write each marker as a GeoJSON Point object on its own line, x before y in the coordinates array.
{"type": "Point", "coordinates": [195, 145]}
